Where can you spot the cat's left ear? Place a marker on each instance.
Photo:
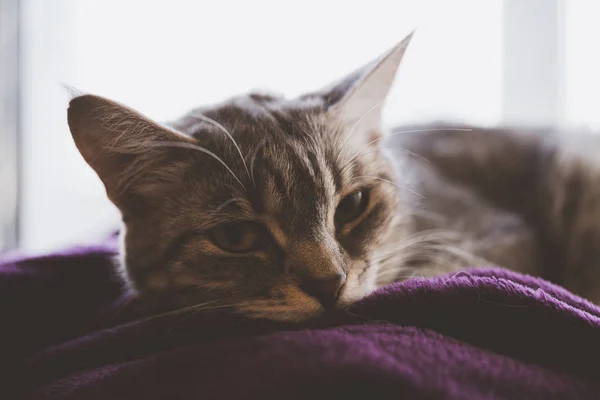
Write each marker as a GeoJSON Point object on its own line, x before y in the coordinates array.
{"type": "Point", "coordinates": [358, 98]}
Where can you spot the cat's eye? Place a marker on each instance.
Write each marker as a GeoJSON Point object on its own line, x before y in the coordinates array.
{"type": "Point", "coordinates": [236, 238]}
{"type": "Point", "coordinates": [352, 206]}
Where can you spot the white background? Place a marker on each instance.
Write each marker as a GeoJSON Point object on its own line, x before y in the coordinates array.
{"type": "Point", "coordinates": [166, 57]}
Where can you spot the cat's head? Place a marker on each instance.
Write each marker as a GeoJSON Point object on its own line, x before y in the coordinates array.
{"type": "Point", "coordinates": [272, 207]}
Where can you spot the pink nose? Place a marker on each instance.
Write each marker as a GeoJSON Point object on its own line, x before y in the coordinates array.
{"type": "Point", "coordinates": [326, 290]}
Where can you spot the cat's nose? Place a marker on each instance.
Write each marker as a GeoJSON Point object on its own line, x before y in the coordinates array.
{"type": "Point", "coordinates": [325, 289]}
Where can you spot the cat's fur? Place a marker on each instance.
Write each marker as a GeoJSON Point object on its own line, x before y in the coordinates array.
{"type": "Point", "coordinates": [527, 200]}
{"type": "Point", "coordinates": [519, 200]}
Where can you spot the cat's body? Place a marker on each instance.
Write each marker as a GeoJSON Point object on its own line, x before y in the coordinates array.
{"type": "Point", "coordinates": [523, 199]}
{"type": "Point", "coordinates": [283, 209]}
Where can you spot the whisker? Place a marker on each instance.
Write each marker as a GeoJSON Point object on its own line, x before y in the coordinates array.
{"type": "Point", "coordinates": [354, 127]}
{"type": "Point", "coordinates": [123, 307]}
{"type": "Point", "coordinates": [226, 132]}
{"type": "Point", "coordinates": [377, 150]}
{"type": "Point", "coordinates": [402, 274]}
{"type": "Point", "coordinates": [227, 202]}
{"type": "Point", "coordinates": [403, 150]}
{"type": "Point", "coordinates": [172, 312]}
{"type": "Point", "coordinates": [419, 130]}
{"type": "Point", "coordinates": [428, 261]}
{"type": "Point", "coordinates": [427, 215]}
{"type": "Point", "coordinates": [405, 258]}
{"type": "Point", "coordinates": [428, 237]}
{"type": "Point", "coordinates": [428, 253]}
{"type": "Point", "coordinates": [431, 234]}
{"type": "Point", "coordinates": [194, 147]}
{"type": "Point", "coordinates": [253, 158]}
{"type": "Point", "coordinates": [465, 255]}
{"type": "Point", "coordinates": [440, 254]}
{"type": "Point", "coordinates": [310, 126]}
{"type": "Point", "coordinates": [205, 306]}
{"type": "Point", "coordinates": [393, 183]}
{"type": "Point", "coordinates": [337, 130]}
{"type": "Point", "coordinates": [191, 314]}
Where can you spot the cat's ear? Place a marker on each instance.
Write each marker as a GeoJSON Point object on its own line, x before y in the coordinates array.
{"type": "Point", "coordinates": [359, 97]}
{"type": "Point", "coordinates": [114, 139]}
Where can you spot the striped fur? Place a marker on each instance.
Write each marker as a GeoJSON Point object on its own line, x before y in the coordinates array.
{"type": "Point", "coordinates": [441, 198]}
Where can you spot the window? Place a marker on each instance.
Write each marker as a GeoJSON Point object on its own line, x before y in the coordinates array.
{"type": "Point", "coordinates": [9, 41]}
{"type": "Point", "coordinates": [582, 63]}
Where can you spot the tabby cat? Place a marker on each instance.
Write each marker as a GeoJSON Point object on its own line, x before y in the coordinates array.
{"type": "Point", "coordinates": [285, 208]}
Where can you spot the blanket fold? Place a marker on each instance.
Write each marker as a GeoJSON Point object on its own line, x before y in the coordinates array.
{"type": "Point", "coordinates": [69, 331]}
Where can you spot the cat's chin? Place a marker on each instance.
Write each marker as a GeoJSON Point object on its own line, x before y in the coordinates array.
{"type": "Point", "coordinates": [287, 316]}
{"type": "Point", "coordinates": [304, 313]}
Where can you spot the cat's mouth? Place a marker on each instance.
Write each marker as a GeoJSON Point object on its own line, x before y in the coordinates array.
{"type": "Point", "coordinates": [294, 305]}
{"type": "Point", "coordinates": [282, 312]}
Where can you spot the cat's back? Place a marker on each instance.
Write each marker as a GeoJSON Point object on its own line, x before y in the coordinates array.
{"type": "Point", "coordinates": [509, 167]}
{"type": "Point", "coordinates": [529, 199]}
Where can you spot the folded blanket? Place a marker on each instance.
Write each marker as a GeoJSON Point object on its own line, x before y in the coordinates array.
{"type": "Point", "coordinates": [67, 331]}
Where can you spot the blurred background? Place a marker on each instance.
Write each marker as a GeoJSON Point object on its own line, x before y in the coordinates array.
{"type": "Point", "coordinates": [487, 62]}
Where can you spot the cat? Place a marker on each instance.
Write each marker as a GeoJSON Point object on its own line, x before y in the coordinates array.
{"type": "Point", "coordinates": [286, 208]}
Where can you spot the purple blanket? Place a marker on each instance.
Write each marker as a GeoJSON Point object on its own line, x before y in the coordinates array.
{"type": "Point", "coordinates": [68, 332]}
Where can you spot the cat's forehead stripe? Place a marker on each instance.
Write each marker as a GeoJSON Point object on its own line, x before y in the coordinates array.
{"type": "Point", "coordinates": [293, 183]}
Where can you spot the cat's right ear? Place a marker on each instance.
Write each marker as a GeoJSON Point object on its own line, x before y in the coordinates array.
{"type": "Point", "coordinates": [358, 98]}
{"type": "Point", "coordinates": [119, 143]}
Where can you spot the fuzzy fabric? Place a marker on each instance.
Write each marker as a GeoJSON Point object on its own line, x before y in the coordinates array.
{"type": "Point", "coordinates": [67, 331]}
